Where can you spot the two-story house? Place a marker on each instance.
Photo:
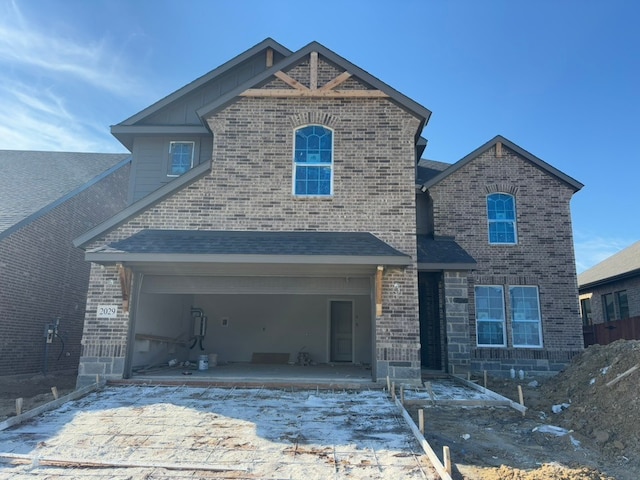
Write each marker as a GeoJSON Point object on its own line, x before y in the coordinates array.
{"type": "Point", "coordinates": [277, 206]}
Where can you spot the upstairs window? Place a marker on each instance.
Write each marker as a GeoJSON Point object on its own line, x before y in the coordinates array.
{"type": "Point", "coordinates": [180, 158]}
{"type": "Point", "coordinates": [501, 214]}
{"type": "Point", "coordinates": [490, 318]}
{"type": "Point", "coordinates": [313, 161]}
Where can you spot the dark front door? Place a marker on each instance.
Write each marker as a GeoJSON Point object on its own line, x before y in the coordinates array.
{"type": "Point", "coordinates": [429, 297]}
{"type": "Point", "coordinates": [341, 331]}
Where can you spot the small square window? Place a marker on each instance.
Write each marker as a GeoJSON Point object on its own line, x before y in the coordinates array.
{"type": "Point", "coordinates": [180, 158]}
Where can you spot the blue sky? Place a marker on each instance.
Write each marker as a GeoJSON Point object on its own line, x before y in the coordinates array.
{"type": "Point", "coordinates": [559, 78]}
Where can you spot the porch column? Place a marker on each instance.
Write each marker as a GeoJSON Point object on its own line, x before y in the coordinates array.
{"type": "Point", "coordinates": [456, 311]}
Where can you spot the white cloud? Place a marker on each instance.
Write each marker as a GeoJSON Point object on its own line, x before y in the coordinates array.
{"type": "Point", "coordinates": [592, 249]}
{"type": "Point", "coordinates": [59, 92]}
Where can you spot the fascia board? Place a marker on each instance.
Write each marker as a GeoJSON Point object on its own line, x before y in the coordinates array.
{"type": "Point", "coordinates": [111, 257]}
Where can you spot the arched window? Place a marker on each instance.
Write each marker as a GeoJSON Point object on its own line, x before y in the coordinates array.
{"type": "Point", "coordinates": [501, 214]}
{"type": "Point", "coordinates": [313, 161]}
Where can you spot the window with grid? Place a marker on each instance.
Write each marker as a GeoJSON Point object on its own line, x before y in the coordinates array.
{"type": "Point", "coordinates": [313, 161]}
{"type": "Point", "coordinates": [490, 318]}
{"type": "Point", "coordinates": [180, 158]}
{"type": "Point", "coordinates": [525, 316]}
{"type": "Point", "coordinates": [608, 308]}
{"type": "Point", "coordinates": [501, 215]}
{"type": "Point", "coordinates": [623, 304]}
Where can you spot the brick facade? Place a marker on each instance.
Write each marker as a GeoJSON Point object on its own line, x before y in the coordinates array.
{"type": "Point", "coordinates": [44, 276]}
{"type": "Point", "coordinates": [250, 188]}
{"type": "Point", "coordinates": [543, 257]}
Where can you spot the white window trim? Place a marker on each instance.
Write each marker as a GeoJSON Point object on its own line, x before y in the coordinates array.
{"type": "Point", "coordinates": [504, 319]}
{"type": "Point", "coordinates": [539, 321]}
{"type": "Point", "coordinates": [293, 156]}
{"type": "Point", "coordinates": [515, 219]}
{"type": "Point", "coordinates": [169, 163]}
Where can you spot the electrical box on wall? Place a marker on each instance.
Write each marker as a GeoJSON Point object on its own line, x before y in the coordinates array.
{"type": "Point", "coordinates": [225, 321]}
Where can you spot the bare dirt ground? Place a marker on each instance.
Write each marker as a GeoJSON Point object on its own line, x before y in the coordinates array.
{"type": "Point", "coordinates": [35, 390]}
{"type": "Point", "coordinates": [595, 435]}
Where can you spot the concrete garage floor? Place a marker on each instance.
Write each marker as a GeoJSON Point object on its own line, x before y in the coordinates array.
{"type": "Point", "coordinates": [345, 376]}
{"type": "Point", "coordinates": [187, 432]}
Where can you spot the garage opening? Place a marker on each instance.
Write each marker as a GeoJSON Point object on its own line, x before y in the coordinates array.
{"type": "Point", "coordinates": [251, 325]}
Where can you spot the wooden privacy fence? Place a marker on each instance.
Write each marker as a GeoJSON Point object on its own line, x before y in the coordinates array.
{"type": "Point", "coordinates": [608, 332]}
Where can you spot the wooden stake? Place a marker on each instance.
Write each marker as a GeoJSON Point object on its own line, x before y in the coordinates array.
{"type": "Point", "coordinates": [402, 394]}
{"type": "Point", "coordinates": [54, 390]}
{"type": "Point", "coordinates": [393, 391]}
{"type": "Point", "coordinates": [453, 369]}
{"type": "Point", "coordinates": [19, 405]}
{"type": "Point", "coordinates": [469, 376]}
{"type": "Point", "coordinates": [622, 375]}
{"type": "Point", "coordinates": [429, 390]}
{"type": "Point", "coordinates": [421, 420]}
{"type": "Point", "coordinates": [388, 384]}
{"type": "Point", "coordinates": [446, 456]}
{"type": "Point", "coordinates": [521, 397]}
{"type": "Point", "coordinates": [485, 379]}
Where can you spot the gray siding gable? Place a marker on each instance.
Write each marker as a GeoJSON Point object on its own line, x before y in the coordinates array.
{"type": "Point", "coordinates": [574, 184]}
{"type": "Point", "coordinates": [176, 113]}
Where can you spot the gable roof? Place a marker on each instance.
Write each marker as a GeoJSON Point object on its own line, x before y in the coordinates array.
{"type": "Point", "coordinates": [573, 183]}
{"type": "Point", "coordinates": [625, 263]}
{"type": "Point", "coordinates": [34, 182]}
{"type": "Point", "coordinates": [301, 55]}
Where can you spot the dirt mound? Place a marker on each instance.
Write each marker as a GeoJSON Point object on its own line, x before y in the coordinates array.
{"type": "Point", "coordinates": [545, 472]}
{"type": "Point", "coordinates": [597, 406]}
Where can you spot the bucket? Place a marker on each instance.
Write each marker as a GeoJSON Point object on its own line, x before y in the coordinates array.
{"type": "Point", "coordinates": [203, 362]}
{"type": "Point", "coordinates": [213, 359]}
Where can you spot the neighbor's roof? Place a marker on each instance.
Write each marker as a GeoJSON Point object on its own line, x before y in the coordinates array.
{"type": "Point", "coordinates": [573, 183]}
{"type": "Point", "coordinates": [442, 254]}
{"type": "Point", "coordinates": [250, 246]}
{"type": "Point", "coordinates": [623, 264]}
{"type": "Point", "coordinates": [33, 182]}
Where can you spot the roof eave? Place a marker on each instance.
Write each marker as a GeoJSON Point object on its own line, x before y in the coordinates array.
{"type": "Point", "coordinates": [114, 257]}
{"type": "Point", "coordinates": [611, 279]}
{"type": "Point", "coordinates": [447, 266]}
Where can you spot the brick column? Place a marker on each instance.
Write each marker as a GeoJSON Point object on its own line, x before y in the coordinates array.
{"type": "Point", "coordinates": [456, 310]}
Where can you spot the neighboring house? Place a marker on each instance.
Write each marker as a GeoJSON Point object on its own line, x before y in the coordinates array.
{"type": "Point", "coordinates": [46, 200]}
{"type": "Point", "coordinates": [278, 196]}
{"type": "Point", "coordinates": [610, 291]}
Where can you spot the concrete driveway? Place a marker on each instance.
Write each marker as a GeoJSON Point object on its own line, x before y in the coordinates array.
{"type": "Point", "coordinates": [187, 432]}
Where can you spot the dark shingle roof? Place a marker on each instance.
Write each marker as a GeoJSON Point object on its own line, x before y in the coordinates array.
{"type": "Point", "coordinates": [623, 263]}
{"type": "Point", "coordinates": [427, 169]}
{"type": "Point", "coordinates": [32, 181]}
{"type": "Point", "coordinates": [442, 254]}
{"type": "Point", "coordinates": [255, 243]}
